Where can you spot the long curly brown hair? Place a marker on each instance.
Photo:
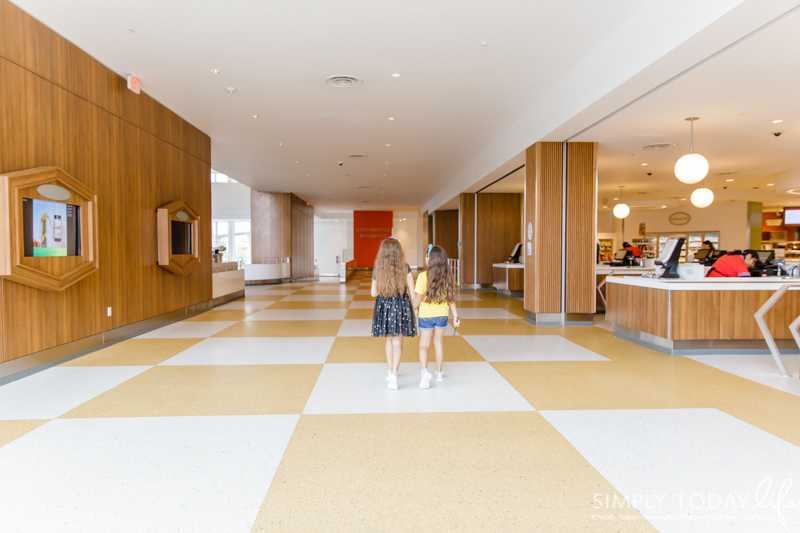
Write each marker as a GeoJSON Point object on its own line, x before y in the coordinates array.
{"type": "Point", "coordinates": [391, 269]}
{"type": "Point", "coordinates": [441, 286]}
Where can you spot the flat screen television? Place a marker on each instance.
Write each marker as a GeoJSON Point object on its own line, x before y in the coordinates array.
{"type": "Point", "coordinates": [181, 238]}
{"type": "Point", "coordinates": [50, 229]}
{"type": "Point", "coordinates": [791, 217]}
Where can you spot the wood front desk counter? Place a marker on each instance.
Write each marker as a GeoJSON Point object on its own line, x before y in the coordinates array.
{"type": "Point", "coordinates": [709, 316]}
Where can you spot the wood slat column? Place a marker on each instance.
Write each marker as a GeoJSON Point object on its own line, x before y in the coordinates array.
{"type": "Point", "coordinates": [560, 212]}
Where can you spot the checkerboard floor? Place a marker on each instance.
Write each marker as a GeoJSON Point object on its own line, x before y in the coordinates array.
{"type": "Point", "coordinates": [271, 413]}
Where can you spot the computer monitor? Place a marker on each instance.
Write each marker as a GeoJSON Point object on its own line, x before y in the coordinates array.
{"type": "Point", "coordinates": [766, 256]}
{"type": "Point", "coordinates": [621, 254]}
{"type": "Point", "coordinates": [716, 254]}
{"type": "Point", "coordinates": [702, 254]}
{"type": "Point", "coordinates": [514, 257]}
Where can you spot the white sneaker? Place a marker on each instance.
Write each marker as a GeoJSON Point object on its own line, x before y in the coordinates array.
{"type": "Point", "coordinates": [388, 373]}
{"type": "Point", "coordinates": [392, 381]}
{"type": "Point", "coordinates": [440, 376]}
{"type": "Point", "coordinates": [425, 379]}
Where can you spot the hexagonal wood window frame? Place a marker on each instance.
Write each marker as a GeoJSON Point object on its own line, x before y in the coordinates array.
{"type": "Point", "coordinates": [45, 273]}
{"type": "Point", "coordinates": [180, 264]}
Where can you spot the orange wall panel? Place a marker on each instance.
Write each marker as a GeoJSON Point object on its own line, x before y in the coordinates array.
{"type": "Point", "coordinates": [369, 229]}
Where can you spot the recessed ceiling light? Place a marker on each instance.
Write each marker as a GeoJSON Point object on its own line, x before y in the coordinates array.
{"type": "Point", "coordinates": [280, 144]}
{"type": "Point", "coordinates": [388, 145]}
{"type": "Point", "coordinates": [255, 116]}
{"type": "Point", "coordinates": [770, 184]}
{"type": "Point", "coordinates": [729, 179]}
{"type": "Point", "coordinates": [324, 117]}
{"type": "Point", "coordinates": [644, 164]}
{"type": "Point", "coordinates": [391, 118]}
{"type": "Point", "coordinates": [230, 90]}
{"type": "Point", "coordinates": [387, 162]}
{"type": "Point", "coordinates": [615, 198]}
{"type": "Point", "coordinates": [683, 198]}
{"type": "Point", "coordinates": [131, 31]}
{"type": "Point", "coordinates": [297, 161]}
{"type": "Point", "coordinates": [777, 121]}
{"type": "Point", "coordinates": [215, 71]}
{"type": "Point", "coordinates": [396, 75]}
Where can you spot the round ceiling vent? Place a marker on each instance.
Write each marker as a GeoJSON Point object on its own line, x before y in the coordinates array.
{"type": "Point", "coordinates": [357, 156]}
{"type": "Point", "coordinates": [656, 146]}
{"type": "Point", "coordinates": [343, 80]}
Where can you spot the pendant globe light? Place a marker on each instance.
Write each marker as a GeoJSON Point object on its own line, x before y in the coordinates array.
{"type": "Point", "coordinates": [692, 167]}
{"type": "Point", "coordinates": [702, 197]}
{"type": "Point", "coordinates": [621, 210]}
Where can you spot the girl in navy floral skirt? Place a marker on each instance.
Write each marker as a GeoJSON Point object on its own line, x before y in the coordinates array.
{"type": "Point", "coordinates": [393, 318]}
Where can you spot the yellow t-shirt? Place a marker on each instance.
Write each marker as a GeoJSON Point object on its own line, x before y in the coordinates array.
{"type": "Point", "coordinates": [429, 310]}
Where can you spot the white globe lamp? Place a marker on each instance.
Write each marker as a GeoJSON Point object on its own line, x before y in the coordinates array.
{"type": "Point", "coordinates": [622, 210]}
{"type": "Point", "coordinates": [692, 167]}
{"type": "Point", "coordinates": [702, 197]}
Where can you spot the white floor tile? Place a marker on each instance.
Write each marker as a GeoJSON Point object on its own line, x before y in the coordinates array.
{"type": "Point", "coordinates": [271, 292]}
{"type": "Point", "coordinates": [53, 392]}
{"type": "Point", "coordinates": [319, 298]}
{"type": "Point", "coordinates": [299, 314]}
{"type": "Point", "coordinates": [355, 328]}
{"type": "Point", "coordinates": [359, 304]}
{"type": "Point", "coordinates": [759, 368]}
{"type": "Point", "coordinates": [240, 305]}
{"type": "Point", "coordinates": [486, 312]}
{"type": "Point", "coordinates": [495, 348]}
{"type": "Point", "coordinates": [199, 474]}
{"type": "Point", "coordinates": [683, 468]}
{"type": "Point", "coordinates": [361, 388]}
{"type": "Point", "coordinates": [256, 351]}
{"type": "Point", "coordinates": [188, 330]}
{"type": "Point", "coordinates": [364, 292]}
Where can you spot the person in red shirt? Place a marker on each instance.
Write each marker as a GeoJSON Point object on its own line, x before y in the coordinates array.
{"type": "Point", "coordinates": [732, 265]}
{"type": "Point", "coordinates": [635, 250]}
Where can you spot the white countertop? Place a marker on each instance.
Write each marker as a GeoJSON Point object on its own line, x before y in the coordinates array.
{"type": "Point", "coordinates": [605, 269]}
{"type": "Point", "coordinates": [708, 284]}
{"type": "Point", "coordinates": [508, 265]}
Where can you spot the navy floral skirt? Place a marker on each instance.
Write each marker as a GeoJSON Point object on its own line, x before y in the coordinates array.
{"type": "Point", "coordinates": [393, 316]}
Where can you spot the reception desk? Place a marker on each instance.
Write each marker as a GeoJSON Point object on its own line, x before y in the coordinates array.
{"type": "Point", "coordinates": [604, 271]}
{"type": "Point", "coordinates": [715, 315]}
{"type": "Point", "coordinates": [509, 278]}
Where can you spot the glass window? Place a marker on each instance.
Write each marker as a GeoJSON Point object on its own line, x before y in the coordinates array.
{"type": "Point", "coordinates": [242, 241]}
{"type": "Point", "coordinates": [225, 232]}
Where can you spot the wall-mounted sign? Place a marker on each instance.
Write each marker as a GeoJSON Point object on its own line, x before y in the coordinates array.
{"type": "Point", "coordinates": [775, 222]}
{"type": "Point", "coordinates": [530, 231]}
{"type": "Point", "coordinates": [642, 229]}
{"type": "Point", "coordinates": [133, 83]}
{"type": "Point", "coordinates": [54, 192]}
{"type": "Point", "coordinates": [679, 219]}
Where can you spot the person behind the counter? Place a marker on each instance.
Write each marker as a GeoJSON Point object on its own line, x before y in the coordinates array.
{"type": "Point", "coordinates": [732, 265]}
{"type": "Point", "coordinates": [708, 245]}
{"type": "Point", "coordinates": [635, 250]}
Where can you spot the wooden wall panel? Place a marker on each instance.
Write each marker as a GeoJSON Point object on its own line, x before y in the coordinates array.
{"type": "Point", "coordinates": [271, 219]}
{"type": "Point", "coordinates": [695, 315]}
{"type": "Point", "coordinates": [60, 107]}
{"type": "Point", "coordinates": [445, 231]}
{"type": "Point", "coordinates": [424, 244]}
{"type": "Point", "coordinates": [544, 178]}
{"type": "Point", "coordinates": [302, 238]}
{"type": "Point", "coordinates": [581, 205]}
{"type": "Point", "coordinates": [738, 304]}
{"type": "Point", "coordinates": [639, 308]}
{"type": "Point", "coordinates": [499, 229]}
{"type": "Point", "coordinates": [467, 231]}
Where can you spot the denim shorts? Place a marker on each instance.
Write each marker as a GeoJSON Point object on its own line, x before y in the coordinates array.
{"type": "Point", "coordinates": [437, 322]}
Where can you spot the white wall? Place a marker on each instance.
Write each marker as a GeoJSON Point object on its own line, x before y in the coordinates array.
{"type": "Point", "coordinates": [230, 201]}
{"type": "Point", "coordinates": [407, 233]}
{"type": "Point", "coordinates": [729, 218]}
{"type": "Point", "coordinates": [330, 238]}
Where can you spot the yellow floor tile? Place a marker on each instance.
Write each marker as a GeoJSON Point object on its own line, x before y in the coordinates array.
{"type": "Point", "coordinates": [221, 315]}
{"type": "Point", "coordinates": [282, 328]}
{"type": "Point", "coordinates": [14, 429]}
{"type": "Point", "coordinates": [363, 298]}
{"type": "Point", "coordinates": [489, 326]}
{"type": "Point", "coordinates": [206, 391]}
{"type": "Point", "coordinates": [436, 472]}
{"type": "Point", "coordinates": [359, 314]}
{"type": "Point", "coordinates": [344, 304]}
{"type": "Point", "coordinates": [373, 350]}
{"type": "Point", "coordinates": [324, 293]}
{"type": "Point", "coordinates": [135, 352]}
{"type": "Point", "coordinates": [264, 298]}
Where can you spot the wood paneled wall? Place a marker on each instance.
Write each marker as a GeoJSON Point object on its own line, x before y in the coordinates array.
{"type": "Point", "coordinates": [302, 239]}
{"type": "Point", "coordinates": [271, 225]}
{"type": "Point", "coordinates": [467, 232]}
{"type": "Point", "coordinates": [282, 226]}
{"type": "Point", "coordinates": [62, 108]}
{"type": "Point", "coordinates": [424, 241]}
{"type": "Point", "coordinates": [543, 208]}
{"type": "Point", "coordinates": [445, 231]}
{"type": "Point", "coordinates": [581, 230]}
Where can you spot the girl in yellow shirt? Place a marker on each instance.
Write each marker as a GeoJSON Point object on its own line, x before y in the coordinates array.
{"type": "Point", "coordinates": [435, 295]}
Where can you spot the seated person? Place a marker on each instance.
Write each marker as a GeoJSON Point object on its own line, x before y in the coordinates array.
{"type": "Point", "coordinates": [708, 245]}
{"type": "Point", "coordinates": [733, 265]}
{"type": "Point", "coordinates": [635, 250]}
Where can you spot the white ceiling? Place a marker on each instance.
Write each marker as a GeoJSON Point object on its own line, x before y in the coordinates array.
{"type": "Point", "coordinates": [737, 96]}
{"type": "Point", "coordinates": [452, 100]}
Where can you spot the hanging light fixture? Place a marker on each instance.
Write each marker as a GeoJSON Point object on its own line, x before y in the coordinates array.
{"type": "Point", "coordinates": [692, 167]}
{"type": "Point", "coordinates": [702, 197]}
{"type": "Point", "coordinates": [621, 210]}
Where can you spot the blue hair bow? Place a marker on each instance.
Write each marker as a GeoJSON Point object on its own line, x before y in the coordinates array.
{"type": "Point", "coordinates": [430, 247]}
